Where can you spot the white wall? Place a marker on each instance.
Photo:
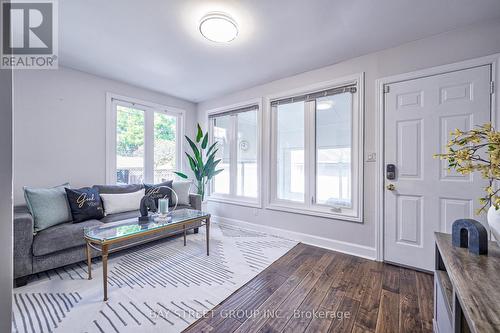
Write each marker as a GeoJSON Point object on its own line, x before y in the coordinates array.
{"type": "Point", "coordinates": [474, 41]}
{"type": "Point", "coordinates": [59, 126]}
{"type": "Point", "coordinates": [6, 229]}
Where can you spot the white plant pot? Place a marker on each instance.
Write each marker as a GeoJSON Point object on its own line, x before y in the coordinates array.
{"type": "Point", "coordinates": [494, 223]}
{"type": "Point", "coordinates": [204, 206]}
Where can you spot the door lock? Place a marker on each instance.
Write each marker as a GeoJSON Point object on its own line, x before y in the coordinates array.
{"type": "Point", "coordinates": [390, 171]}
{"type": "Point", "coordinates": [391, 187]}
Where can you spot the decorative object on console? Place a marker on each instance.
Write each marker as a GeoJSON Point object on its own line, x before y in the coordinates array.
{"type": "Point", "coordinates": [494, 222]}
{"type": "Point", "coordinates": [478, 150]}
{"type": "Point", "coordinates": [85, 204]}
{"type": "Point", "coordinates": [470, 234]}
{"type": "Point", "coordinates": [48, 206]}
{"type": "Point", "coordinates": [203, 171]}
{"type": "Point", "coordinates": [147, 205]}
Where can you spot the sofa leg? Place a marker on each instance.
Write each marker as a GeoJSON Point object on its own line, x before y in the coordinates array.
{"type": "Point", "coordinates": [196, 230]}
{"type": "Point", "coordinates": [22, 281]}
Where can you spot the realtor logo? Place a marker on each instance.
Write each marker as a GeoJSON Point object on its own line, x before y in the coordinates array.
{"type": "Point", "coordinates": [29, 34]}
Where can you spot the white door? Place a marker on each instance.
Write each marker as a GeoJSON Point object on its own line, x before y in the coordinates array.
{"type": "Point", "coordinates": [419, 115]}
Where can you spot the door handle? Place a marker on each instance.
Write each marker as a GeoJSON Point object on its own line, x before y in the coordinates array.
{"type": "Point", "coordinates": [390, 187]}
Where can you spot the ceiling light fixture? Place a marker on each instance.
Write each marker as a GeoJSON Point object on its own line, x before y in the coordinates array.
{"type": "Point", "coordinates": [218, 27]}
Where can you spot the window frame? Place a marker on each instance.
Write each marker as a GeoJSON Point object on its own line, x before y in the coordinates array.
{"type": "Point", "coordinates": [309, 206]}
{"type": "Point", "coordinates": [232, 198]}
{"type": "Point", "coordinates": [149, 108]}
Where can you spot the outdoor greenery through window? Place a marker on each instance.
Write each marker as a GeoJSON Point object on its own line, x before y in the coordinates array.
{"type": "Point", "coordinates": [164, 147]}
{"type": "Point", "coordinates": [129, 145]}
{"type": "Point", "coordinates": [146, 144]}
{"type": "Point", "coordinates": [237, 133]}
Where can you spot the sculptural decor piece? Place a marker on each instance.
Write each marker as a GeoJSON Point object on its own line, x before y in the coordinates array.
{"type": "Point", "coordinates": [470, 234]}
{"type": "Point", "coordinates": [147, 205]}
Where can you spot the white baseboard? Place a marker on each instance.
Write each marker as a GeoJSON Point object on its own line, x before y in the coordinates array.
{"type": "Point", "coordinates": [330, 244]}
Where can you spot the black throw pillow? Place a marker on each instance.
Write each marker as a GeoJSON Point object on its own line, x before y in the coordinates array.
{"type": "Point", "coordinates": [159, 191]}
{"type": "Point", "coordinates": [85, 204]}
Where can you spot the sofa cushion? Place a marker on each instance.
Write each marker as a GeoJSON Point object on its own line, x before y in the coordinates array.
{"type": "Point", "coordinates": [48, 206]}
{"type": "Point", "coordinates": [159, 191]}
{"type": "Point", "coordinates": [116, 189]}
{"type": "Point", "coordinates": [121, 216]}
{"type": "Point", "coordinates": [181, 196]}
{"type": "Point", "coordinates": [183, 207]}
{"type": "Point", "coordinates": [121, 202]}
{"type": "Point", "coordinates": [60, 237]}
{"type": "Point", "coordinates": [131, 215]}
{"type": "Point", "coordinates": [85, 204]}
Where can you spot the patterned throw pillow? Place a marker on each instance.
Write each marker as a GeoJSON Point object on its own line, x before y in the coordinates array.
{"type": "Point", "coordinates": [159, 191]}
{"type": "Point", "coordinates": [85, 204]}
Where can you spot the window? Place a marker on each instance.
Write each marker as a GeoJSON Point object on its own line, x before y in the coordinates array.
{"type": "Point", "coordinates": [143, 144]}
{"type": "Point", "coordinates": [316, 153]}
{"type": "Point", "coordinates": [237, 132]}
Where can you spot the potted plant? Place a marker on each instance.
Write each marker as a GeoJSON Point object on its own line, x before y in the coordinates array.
{"type": "Point", "coordinates": [478, 150]}
{"type": "Point", "coordinates": [202, 161]}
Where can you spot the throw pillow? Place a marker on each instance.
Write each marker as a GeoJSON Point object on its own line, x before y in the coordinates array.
{"type": "Point", "coordinates": [159, 191]}
{"type": "Point", "coordinates": [121, 202]}
{"type": "Point", "coordinates": [48, 206]}
{"type": "Point", "coordinates": [182, 191]}
{"type": "Point", "coordinates": [85, 204]}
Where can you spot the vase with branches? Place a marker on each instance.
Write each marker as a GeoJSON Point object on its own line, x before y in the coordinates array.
{"type": "Point", "coordinates": [478, 150]}
{"type": "Point", "coordinates": [202, 161]}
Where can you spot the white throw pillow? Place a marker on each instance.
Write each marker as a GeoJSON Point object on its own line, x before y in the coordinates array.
{"type": "Point", "coordinates": [182, 190]}
{"type": "Point", "coordinates": [121, 202]}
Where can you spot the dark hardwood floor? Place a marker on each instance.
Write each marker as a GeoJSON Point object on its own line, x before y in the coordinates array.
{"type": "Point", "coordinates": [316, 290]}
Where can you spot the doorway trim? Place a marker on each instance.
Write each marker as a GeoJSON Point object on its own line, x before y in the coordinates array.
{"type": "Point", "coordinates": [492, 60]}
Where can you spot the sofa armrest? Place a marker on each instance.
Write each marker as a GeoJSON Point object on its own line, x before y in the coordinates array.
{"type": "Point", "coordinates": [195, 201]}
{"type": "Point", "coordinates": [23, 241]}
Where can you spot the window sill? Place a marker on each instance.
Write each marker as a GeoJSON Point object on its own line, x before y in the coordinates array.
{"type": "Point", "coordinates": [317, 213]}
{"type": "Point", "coordinates": [235, 201]}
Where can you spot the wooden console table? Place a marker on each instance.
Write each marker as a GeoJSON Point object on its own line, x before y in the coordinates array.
{"type": "Point", "coordinates": [466, 288]}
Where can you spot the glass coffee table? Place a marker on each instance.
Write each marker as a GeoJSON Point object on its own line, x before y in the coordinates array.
{"type": "Point", "coordinates": [100, 237]}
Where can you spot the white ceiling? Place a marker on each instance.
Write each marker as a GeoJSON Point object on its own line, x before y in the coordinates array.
{"type": "Point", "coordinates": [155, 44]}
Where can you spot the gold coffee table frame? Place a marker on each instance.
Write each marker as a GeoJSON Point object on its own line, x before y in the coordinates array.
{"type": "Point", "coordinates": [103, 245]}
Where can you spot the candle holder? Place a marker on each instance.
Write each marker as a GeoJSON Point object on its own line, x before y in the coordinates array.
{"type": "Point", "coordinates": [163, 206]}
{"type": "Point", "coordinates": [160, 218]}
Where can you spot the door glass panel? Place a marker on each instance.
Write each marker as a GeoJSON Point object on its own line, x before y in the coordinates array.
{"type": "Point", "coordinates": [333, 150]}
{"type": "Point", "coordinates": [247, 154]}
{"type": "Point", "coordinates": [164, 147]}
{"type": "Point", "coordinates": [222, 134]}
{"type": "Point", "coordinates": [290, 151]}
{"type": "Point", "coordinates": [129, 145]}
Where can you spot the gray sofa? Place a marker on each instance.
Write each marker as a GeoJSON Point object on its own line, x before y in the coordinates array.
{"type": "Point", "coordinates": [63, 244]}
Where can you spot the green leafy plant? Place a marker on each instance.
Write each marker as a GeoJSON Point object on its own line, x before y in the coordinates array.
{"type": "Point", "coordinates": [202, 161]}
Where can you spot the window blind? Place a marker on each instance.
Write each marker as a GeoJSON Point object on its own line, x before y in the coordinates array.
{"type": "Point", "coordinates": [312, 96]}
{"type": "Point", "coordinates": [234, 111]}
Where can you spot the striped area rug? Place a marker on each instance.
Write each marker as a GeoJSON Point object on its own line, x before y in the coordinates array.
{"type": "Point", "coordinates": [162, 286]}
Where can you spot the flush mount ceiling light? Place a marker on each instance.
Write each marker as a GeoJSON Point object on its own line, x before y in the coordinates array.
{"type": "Point", "coordinates": [218, 27]}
